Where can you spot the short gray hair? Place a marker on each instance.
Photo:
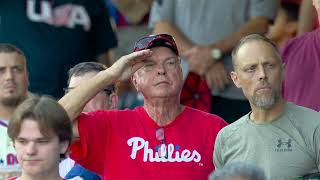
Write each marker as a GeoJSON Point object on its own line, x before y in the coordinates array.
{"type": "Point", "coordinates": [87, 67]}
{"type": "Point", "coordinates": [239, 169]}
{"type": "Point", "coordinates": [250, 38]}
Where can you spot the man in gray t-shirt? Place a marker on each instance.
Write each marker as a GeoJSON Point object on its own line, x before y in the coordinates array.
{"type": "Point", "coordinates": [280, 137]}
{"type": "Point", "coordinates": [205, 32]}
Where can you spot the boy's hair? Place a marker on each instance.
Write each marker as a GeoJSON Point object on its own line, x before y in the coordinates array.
{"type": "Point", "coordinates": [52, 119]}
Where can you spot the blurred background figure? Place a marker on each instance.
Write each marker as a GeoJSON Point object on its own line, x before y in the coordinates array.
{"type": "Point", "coordinates": [13, 90]}
{"type": "Point", "coordinates": [301, 57]}
{"type": "Point", "coordinates": [106, 99]}
{"type": "Point", "coordinates": [308, 20]}
{"type": "Point", "coordinates": [126, 13]}
{"type": "Point", "coordinates": [80, 73]}
{"type": "Point", "coordinates": [56, 35]}
{"type": "Point", "coordinates": [286, 23]}
{"type": "Point", "coordinates": [238, 171]}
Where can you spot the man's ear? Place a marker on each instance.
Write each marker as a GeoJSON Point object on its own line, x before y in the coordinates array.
{"type": "Point", "coordinates": [235, 79]}
{"type": "Point", "coordinates": [113, 101]}
{"type": "Point", "coordinates": [134, 81]}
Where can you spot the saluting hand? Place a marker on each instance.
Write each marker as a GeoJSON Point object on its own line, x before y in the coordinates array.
{"type": "Point", "coordinates": [124, 67]}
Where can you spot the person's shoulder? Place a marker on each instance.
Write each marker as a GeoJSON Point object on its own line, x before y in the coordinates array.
{"type": "Point", "coordinates": [234, 127]}
{"type": "Point", "coordinates": [300, 109]}
{"type": "Point", "coordinates": [111, 115]}
{"type": "Point", "coordinates": [305, 36]}
{"type": "Point", "coordinates": [202, 115]}
{"type": "Point", "coordinates": [299, 40]}
{"type": "Point", "coordinates": [302, 118]}
{"type": "Point", "coordinates": [298, 112]}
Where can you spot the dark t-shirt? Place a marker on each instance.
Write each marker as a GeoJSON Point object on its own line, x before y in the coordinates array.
{"type": "Point", "coordinates": [55, 35]}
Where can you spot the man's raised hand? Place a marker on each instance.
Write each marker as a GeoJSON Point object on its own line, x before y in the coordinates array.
{"type": "Point", "coordinates": [124, 67]}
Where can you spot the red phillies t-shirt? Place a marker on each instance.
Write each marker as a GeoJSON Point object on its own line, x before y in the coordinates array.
{"type": "Point", "coordinates": [122, 144]}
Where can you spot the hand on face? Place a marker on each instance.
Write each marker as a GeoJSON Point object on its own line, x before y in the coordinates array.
{"type": "Point", "coordinates": [199, 59]}
{"type": "Point", "coordinates": [124, 67]}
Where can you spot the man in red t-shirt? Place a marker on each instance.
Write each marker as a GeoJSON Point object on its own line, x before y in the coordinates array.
{"type": "Point", "coordinates": [161, 140]}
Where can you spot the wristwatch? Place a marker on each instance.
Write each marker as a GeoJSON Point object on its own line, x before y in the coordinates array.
{"type": "Point", "coordinates": [216, 53]}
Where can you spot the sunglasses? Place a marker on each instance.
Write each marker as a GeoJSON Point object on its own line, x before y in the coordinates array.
{"type": "Point", "coordinates": [162, 149]}
{"type": "Point", "coordinates": [147, 42]}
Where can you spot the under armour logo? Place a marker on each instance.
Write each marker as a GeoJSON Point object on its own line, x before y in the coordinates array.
{"type": "Point", "coordinates": [287, 143]}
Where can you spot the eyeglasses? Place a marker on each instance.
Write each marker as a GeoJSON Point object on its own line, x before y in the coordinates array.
{"type": "Point", "coordinates": [108, 91]}
{"type": "Point", "coordinates": [162, 149]}
{"type": "Point", "coordinates": [168, 64]}
{"type": "Point", "coordinates": [147, 42]}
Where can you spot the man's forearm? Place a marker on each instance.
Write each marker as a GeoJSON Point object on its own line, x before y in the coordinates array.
{"type": "Point", "coordinates": [305, 20]}
{"type": "Point", "coordinates": [255, 25]}
{"type": "Point", "coordinates": [183, 42]}
{"type": "Point", "coordinates": [74, 101]}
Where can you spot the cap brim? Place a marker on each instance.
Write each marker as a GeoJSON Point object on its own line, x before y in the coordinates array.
{"type": "Point", "coordinates": [163, 43]}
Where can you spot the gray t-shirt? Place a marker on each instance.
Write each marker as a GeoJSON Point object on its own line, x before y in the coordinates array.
{"type": "Point", "coordinates": [286, 148]}
{"type": "Point", "coordinates": [207, 21]}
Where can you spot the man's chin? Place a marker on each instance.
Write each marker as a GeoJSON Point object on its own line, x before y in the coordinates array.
{"type": "Point", "coordinates": [12, 100]}
{"type": "Point", "coordinates": [264, 102]}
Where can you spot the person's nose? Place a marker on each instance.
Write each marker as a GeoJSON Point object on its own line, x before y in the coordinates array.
{"type": "Point", "coordinates": [262, 75]}
{"type": "Point", "coordinates": [31, 149]}
{"type": "Point", "coordinates": [8, 74]}
{"type": "Point", "coordinates": [161, 69]}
